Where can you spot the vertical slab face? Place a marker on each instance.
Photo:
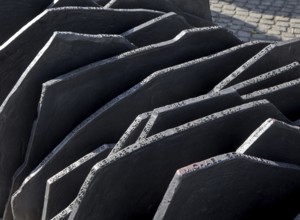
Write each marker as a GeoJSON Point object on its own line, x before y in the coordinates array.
{"type": "Point", "coordinates": [274, 140]}
{"type": "Point", "coordinates": [237, 182]}
{"type": "Point", "coordinates": [92, 86]}
{"type": "Point", "coordinates": [190, 77]}
{"type": "Point", "coordinates": [283, 96]}
{"type": "Point", "coordinates": [157, 30]}
{"type": "Point", "coordinates": [18, 52]}
{"type": "Point", "coordinates": [62, 53]}
{"type": "Point", "coordinates": [195, 8]}
{"type": "Point", "coordinates": [132, 133]}
{"type": "Point", "coordinates": [63, 188]}
{"type": "Point", "coordinates": [272, 78]}
{"type": "Point", "coordinates": [82, 3]}
{"type": "Point", "coordinates": [275, 55]}
{"type": "Point", "coordinates": [16, 13]}
{"type": "Point", "coordinates": [157, 158]}
{"type": "Point", "coordinates": [102, 2]}
{"type": "Point", "coordinates": [182, 112]}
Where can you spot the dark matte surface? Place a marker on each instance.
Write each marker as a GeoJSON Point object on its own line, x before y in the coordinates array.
{"type": "Point", "coordinates": [16, 54]}
{"type": "Point", "coordinates": [63, 188]}
{"type": "Point", "coordinates": [156, 30]}
{"type": "Point", "coordinates": [274, 140]}
{"type": "Point", "coordinates": [156, 159]}
{"type": "Point", "coordinates": [102, 2]}
{"type": "Point", "coordinates": [284, 96]}
{"type": "Point", "coordinates": [232, 186]}
{"type": "Point", "coordinates": [82, 3]}
{"type": "Point", "coordinates": [183, 112]}
{"type": "Point", "coordinates": [62, 53]}
{"type": "Point", "coordinates": [191, 10]}
{"type": "Point", "coordinates": [16, 13]}
{"type": "Point", "coordinates": [190, 77]}
{"type": "Point", "coordinates": [92, 91]}
{"type": "Point", "coordinates": [132, 133]}
{"type": "Point", "coordinates": [200, 82]}
{"type": "Point", "coordinates": [272, 57]}
{"type": "Point", "coordinates": [269, 79]}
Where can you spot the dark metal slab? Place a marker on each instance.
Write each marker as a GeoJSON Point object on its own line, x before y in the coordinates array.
{"type": "Point", "coordinates": [65, 51]}
{"type": "Point", "coordinates": [174, 115]}
{"type": "Point", "coordinates": [200, 82]}
{"type": "Point", "coordinates": [17, 53]}
{"type": "Point", "coordinates": [284, 96]}
{"type": "Point", "coordinates": [148, 167]}
{"type": "Point", "coordinates": [81, 3]}
{"type": "Point", "coordinates": [269, 79]}
{"type": "Point", "coordinates": [92, 91]}
{"type": "Point", "coordinates": [63, 187]}
{"type": "Point", "coordinates": [232, 186]}
{"type": "Point", "coordinates": [132, 133]}
{"type": "Point", "coordinates": [275, 55]}
{"type": "Point", "coordinates": [16, 13]}
{"type": "Point", "coordinates": [157, 30]}
{"type": "Point", "coordinates": [191, 10]}
{"type": "Point", "coordinates": [274, 140]}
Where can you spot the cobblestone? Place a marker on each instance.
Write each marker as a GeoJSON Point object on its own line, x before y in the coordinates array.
{"type": "Point", "coordinates": [258, 19]}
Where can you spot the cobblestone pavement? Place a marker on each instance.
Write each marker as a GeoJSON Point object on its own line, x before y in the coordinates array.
{"type": "Point", "coordinates": [258, 19]}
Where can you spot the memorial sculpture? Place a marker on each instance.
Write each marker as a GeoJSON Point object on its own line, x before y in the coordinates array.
{"type": "Point", "coordinates": [143, 109]}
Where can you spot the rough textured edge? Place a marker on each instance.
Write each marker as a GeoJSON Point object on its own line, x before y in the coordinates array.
{"type": "Point", "coordinates": [250, 62]}
{"type": "Point", "coordinates": [69, 169]}
{"type": "Point", "coordinates": [148, 23]}
{"type": "Point", "coordinates": [64, 36]}
{"type": "Point", "coordinates": [110, 104]}
{"type": "Point", "coordinates": [265, 76]}
{"type": "Point", "coordinates": [179, 105]}
{"type": "Point", "coordinates": [261, 130]}
{"type": "Point", "coordinates": [242, 68]}
{"type": "Point", "coordinates": [136, 147]}
{"type": "Point", "coordinates": [270, 90]}
{"type": "Point", "coordinates": [129, 131]}
{"type": "Point", "coordinates": [205, 164]}
{"type": "Point", "coordinates": [70, 8]}
{"type": "Point", "coordinates": [181, 36]}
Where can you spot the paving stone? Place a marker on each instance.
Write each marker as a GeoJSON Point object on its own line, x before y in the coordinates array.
{"type": "Point", "coordinates": [194, 44]}
{"type": "Point", "coordinates": [283, 96]}
{"type": "Point", "coordinates": [268, 17]}
{"type": "Point", "coordinates": [280, 18]}
{"type": "Point", "coordinates": [265, 21]}
{"type": "Point", "coordinates": [157, 30]}
{"type": "Point", "coordinates": [229, 7]}
{"type": "Point", "coordinates": [255, 15]}
{"type": "Point", "coordinates": [244, 34]}
{"type": "Point", "coordinates": [175, 148]}
{"type": "Point", "coordinates": [273, 32]}
{"type": "Point", "coordinates": [276, 14]}
{"type": "Point", "coordinates": [195, 12]}
{"type": "Point", "coordinates": [289, 52]}
{"type": "Point", "coordinates": [18, 112]}
{"type": "Point", "coordinates": [274, 140]}
{"type": "Point", "coordinates": [208, 184]}
{"type": "Point", "coordinates": [272, 78]}
{"type": "Point", "coordinates": [259, 36]}
{"type": "Point", "coordinates": [63, 187]}
{"type": "Point", "coordinates": [252, 19]}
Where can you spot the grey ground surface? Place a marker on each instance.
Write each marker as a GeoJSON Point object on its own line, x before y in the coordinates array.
{"type": "Point", "coordinates": [258, 19]}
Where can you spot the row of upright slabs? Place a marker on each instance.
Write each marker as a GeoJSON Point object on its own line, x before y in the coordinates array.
{"type": "Point", "coordinates": [144, 110]}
